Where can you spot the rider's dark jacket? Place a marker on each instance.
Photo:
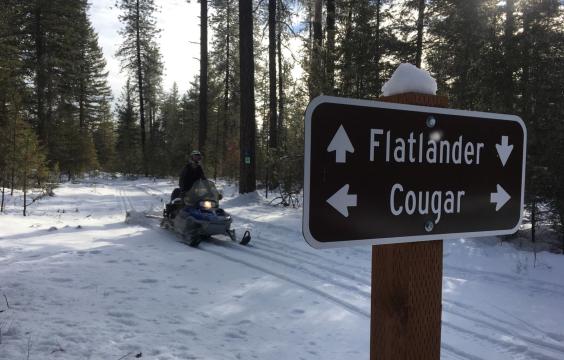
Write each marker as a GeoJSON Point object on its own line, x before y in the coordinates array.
{"type": "Point", "coordinates": [189, 175]}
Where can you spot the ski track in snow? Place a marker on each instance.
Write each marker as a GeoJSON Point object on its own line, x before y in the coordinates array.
{"type": "Point", "coordinates": [485, 330]}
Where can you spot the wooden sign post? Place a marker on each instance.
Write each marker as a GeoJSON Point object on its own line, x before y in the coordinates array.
{"type": "Point", "coordinates": [407, 287]}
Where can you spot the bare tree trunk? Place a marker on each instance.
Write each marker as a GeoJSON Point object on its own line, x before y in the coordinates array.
{"type": "Point", "coordinates": [26, 157]}
{"type": "Point", "coordinates": [3, 197]}
{"type": "Point", "coordinates": [13, 165]}
{"type": "Point", "coordinates": [81, 110]}
{"type": "Point", "coordinates": [140, 85]}
{"type": "Point", "coordinates": [203, 124]}
{"type": "Point", "coordinates": [509, 56]}
{"type": "Point", "coordinates": [216, 147]}
{"type": "Point", "coordinates": [330, 54]}
{"type": "Point", "coordinates": [377, 43]}
{"type": "Point", "coordinates": [226, 126]}
{"type": "Point", "coordinates": [526, 54]}
{"type": "Point", "coordinates": [40, 72]}
{"type": "Point", "coordinates": [280, 80]}
{"type": "Point", "coordinates": [533, 220]}
{"type": "Point", "coordinates": [247, 173]}
{"type": "Point", "coordinates": [315, 68]}
{"type": "Point", "coordinates": [420, 24]}
{"type": "Point", "coordinates": [272, 116]}
{"type": "Point", "coordinates": [347, 63]}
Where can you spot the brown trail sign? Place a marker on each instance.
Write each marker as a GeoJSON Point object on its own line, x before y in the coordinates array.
{"type": "Point", "coordinates": [390, 173]}
{"type": "Point", "coordinates": [402, 175]}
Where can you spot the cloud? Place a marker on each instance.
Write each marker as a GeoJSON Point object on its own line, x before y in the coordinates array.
{"type": "Point", "coordinates": [179, 22]}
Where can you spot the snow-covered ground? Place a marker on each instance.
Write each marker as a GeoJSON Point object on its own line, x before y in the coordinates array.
{"type": "Point", "coordinates": [79, 283]}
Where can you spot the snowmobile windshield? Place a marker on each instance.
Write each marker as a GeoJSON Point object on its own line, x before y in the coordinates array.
{"type": "Point", "coordinates": [200, 191]}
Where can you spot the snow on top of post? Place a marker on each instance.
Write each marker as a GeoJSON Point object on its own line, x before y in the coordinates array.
{"type": "Point", "coordinates": [409, 78]}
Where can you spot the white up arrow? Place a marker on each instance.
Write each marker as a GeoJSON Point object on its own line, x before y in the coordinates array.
{"type": "Point", "coordinates": [341, 144]}
{"type": "Point", "coordinates": [341, 200]}
{"type": "Point", "coordinates": [499, 198]}
{"type": "Point", "coordinates": [504, 149]}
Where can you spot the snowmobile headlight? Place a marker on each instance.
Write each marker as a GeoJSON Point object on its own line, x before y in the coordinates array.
{"type": "Point", "coordinates": [206, 204]}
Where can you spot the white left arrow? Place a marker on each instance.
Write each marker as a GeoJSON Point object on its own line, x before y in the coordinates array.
{"type": "Point", "coordinates": [342, 200]}
{"type": "Point", "coordinates": [499, 198]}
{"type": "Point", "coordinates": [504, 149]}
{"type": "Point", "coordinates": [341, 145]}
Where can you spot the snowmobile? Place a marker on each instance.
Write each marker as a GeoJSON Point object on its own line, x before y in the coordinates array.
{"type": "Point", "coordinates": [197, 216]}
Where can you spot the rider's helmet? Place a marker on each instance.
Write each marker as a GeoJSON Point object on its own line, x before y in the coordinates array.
{"type": "Point", "coordinates": [196, 156]}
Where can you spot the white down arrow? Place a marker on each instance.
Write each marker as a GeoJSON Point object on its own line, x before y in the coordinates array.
{"type": "Point", "coordinates": [504, 149]}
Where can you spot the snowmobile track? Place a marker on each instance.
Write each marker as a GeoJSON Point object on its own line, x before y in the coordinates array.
{"type": "Point", "coordinates": [326, 279]}
{"type": "Point", "coordinates": [518, 338]}
{"type": "Point", "coordinates": [315, 254]}
{"type": "Point", "coordinates": [331, 298]}
{"type": "Point", "coordinates": [505, 280]}
{"type": "Point", "coordinates": [505, 345]}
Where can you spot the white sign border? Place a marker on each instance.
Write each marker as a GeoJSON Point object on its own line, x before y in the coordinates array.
{"type": "Point", "coordinates": [394, 106]}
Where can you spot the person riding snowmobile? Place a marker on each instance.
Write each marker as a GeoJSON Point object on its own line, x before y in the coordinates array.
{"type": "Point", "coordinates": [191, 173]}
{"type": "Point", "coordinates": [194, 210]}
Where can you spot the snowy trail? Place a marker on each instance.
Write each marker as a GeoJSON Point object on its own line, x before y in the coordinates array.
{"type": "Point", "coordinates": [270, 250]}
{"type": "Point", "coordinates": [252, 255]}
{"type": "Point", "coordinates": [304, 285]}
{"type": "Point", "coordinates": [97, 288]}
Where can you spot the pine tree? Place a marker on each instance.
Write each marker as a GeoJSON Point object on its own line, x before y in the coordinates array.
{"type": "Point", "coordinates": [224, 77]}
{"type": "Point", "coordinates": [458, 30]}
{"type": "Point", "coordinates": [31, 159]}
{"type": "Point", "coordinates": [203, 124]}
{"type": "Point", "coordinates": [272, 112]}
{"type": "Point", "coordinates": [365, 49]}
{"type": "Point", "coordinates": [105, 141]}
{"type": "Point", "coordinates": [65, 76]}
{"type": "Point", "coordinates": [11, 83]}
{"type": "Point", "coordinates": [540, 89]}
{"type": "Point", "coordinates": [330, 51]}
{"type": "Point", "coordinates": [93, 93]}
{"type": "Point", "coordinates": [140, 56]}
{"type": "Point", "coordinates": [247, 172]}
{"type": "Point", "coordinates": [128, 150]}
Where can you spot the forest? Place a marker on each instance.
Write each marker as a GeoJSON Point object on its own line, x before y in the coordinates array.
{"type": "Point", "coordinates": [244, 110]}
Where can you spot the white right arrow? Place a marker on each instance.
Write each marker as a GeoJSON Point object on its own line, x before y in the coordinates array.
{"type": "Point", "coordinates": [341, 200]}
{"type": "Point", "coordinates": [340, 144]}
{"type": "Point", "coordinates": [499, 198]}
{"type": "Point", "coordinates": [504, 149]}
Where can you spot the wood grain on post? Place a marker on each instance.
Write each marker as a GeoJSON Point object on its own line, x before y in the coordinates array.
{"type": "Point", "coordinates": [407, 286]}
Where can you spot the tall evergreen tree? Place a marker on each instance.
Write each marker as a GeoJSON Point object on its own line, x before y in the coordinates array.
{"type": "Point", "coordinates": [65, 76]}
{"type": "Point", "coordinates": [105, 141]}
{"type": "Point", "coordinates": [203, 124]}
{"type": "Point", "coordinates": [224, 76]}
{"type": "Point", "coordinates": [139, 55]}
{"type": "Point", "coordinates": [459, 30]}
{"type": "Point", "coordinates": [330, 51]}
{"type": "Point", "coordinates": [247, 174]}
{"type": "Point", "coordinates": [11, 85]}
{"type": "Point", "coordinates": [365, 49]}
{"type": "Point", "coordinates": [128, 149]}
{"type": "Point", "coordinates": [272, 108]}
